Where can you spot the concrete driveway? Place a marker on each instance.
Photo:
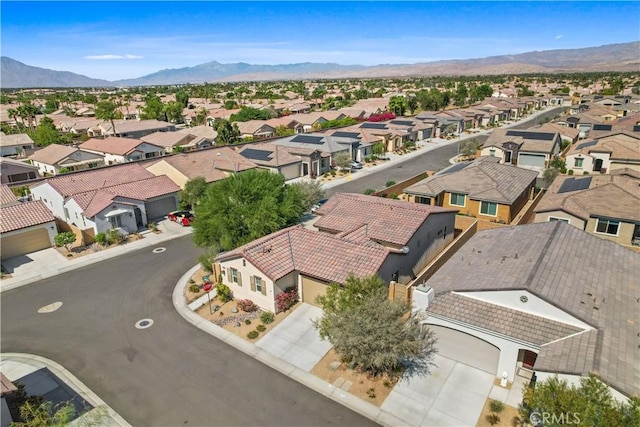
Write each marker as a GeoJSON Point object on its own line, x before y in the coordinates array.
{"type": "Point", "coordinates": [295, 340]}
{"type": "Point", "coordinates": [453, 395]}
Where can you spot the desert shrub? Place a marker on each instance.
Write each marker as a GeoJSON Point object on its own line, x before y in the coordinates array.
{"type": "Point", "coordinates": [101, 238]}
{"type": "Point", "coordinates": [333, 173]}
{"type": "Point", "coordinates": [65, 239]}
{"type": "Point", "coordinates": [247, 322]}
{"type": "Point", "coordinates": [389, 183]}
{"type": "Point", "coordinates": [387, 383]}
{"type": "Point", "coordinates": [253, 335]}
{"type": "Point", "coordinates": [371, 393]}
{"type": "Point", "coordinates": [369, 191]}
{"type": "Point", "coordinates": [570, 172]}
{"type": "Point", "coordinates": [496, 406]}
{"type": "Point", "coordinates": [247, 305]}
{"type": "Point", "coordinates": [261, 328]}
{"type": "Point", "coordinates": [223, 292]}
{"type": "Point", "coordinates": [286, 299]}
{"type": "Point", "coordinates": [493, 419]}
{"type": "Point", "coordinates": [267, 317]}
{"type": "Point", "coordinates": [113, 237]}
{"type": "Point", "coordinates": [194, 288]}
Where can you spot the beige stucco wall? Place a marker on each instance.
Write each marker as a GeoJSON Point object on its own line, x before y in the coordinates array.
{"type": "Point", "coordinates": [290, 171]}
{"type": "Point", "coordinates": [246, 269]}
{"type": "Point", "coordinates": [544, 217]}
{"type": "Point", "coordinates": [616, 165]}
{"type": "Point", "coordinates": [625, 232]}
{"type": "Point", "coordinates": [164, 168]}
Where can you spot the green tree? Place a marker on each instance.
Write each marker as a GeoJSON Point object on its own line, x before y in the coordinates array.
{"type": "Point", "coordinates": [469, 147]}
{"type": "Point", "coordinates": [107, 110]}
{"type": "Point", "coordinates": [412, 104]}
{"type": "Point", "coordinates": [398, 105]}
{"type": "Point", "coordinates": [588, 404]}
{"type": "Point", "coordinates": [311, 192]}
{"type": "Point", "coordinates": [249, 113]}
{"type": "Point", "coordinates": [461, 95]}
{"type": "Point", "coordinates": [182, 98]}
{"type": "Point", "coordinates": [481, 92]}
{"type": "Point", "coordinates": [193, 192]}
{"type": "Point", "coordinates": [282, 130]}
{"type": "Point", "coordinates": [227, 133]}
{"type": "Point", "coordinates": [65, 239]}
{"type": "Point", "coordinates": [318, 94]}
{"type": "Point", "coordinates": [342, 160]}
{"type": "Point", "coordinates": [372, 332]}
{"type": "Point", "coordinates": [154, 108]}
{"type": "Point", "coordinates": [245, 207]}
{"type": "Point", "coordinates": [379, 149]}
{"type": "Point", "coordinates": [173, 112]}
{"type": "Point", "coordinates": [46, 133]}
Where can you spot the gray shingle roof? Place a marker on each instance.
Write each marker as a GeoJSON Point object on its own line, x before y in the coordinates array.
{"type": "Point", "coordinates": [481, 180]}
{"type": "Point", "coordinates": [592, 279]}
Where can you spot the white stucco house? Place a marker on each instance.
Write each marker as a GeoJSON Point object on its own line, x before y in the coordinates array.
{"type": "Point", "coordinates": [122, 150]}
{"type": "Point", "coordinates": [539, 299]}
{"type": "Point", "coordinates": [55, 157]}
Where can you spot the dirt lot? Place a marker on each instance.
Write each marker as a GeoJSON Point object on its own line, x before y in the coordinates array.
{"type": "Point", "coordinates": [372, 390]}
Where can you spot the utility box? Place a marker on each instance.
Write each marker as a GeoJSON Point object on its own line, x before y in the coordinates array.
{"type": "Point", "coordinates": [422, 296]}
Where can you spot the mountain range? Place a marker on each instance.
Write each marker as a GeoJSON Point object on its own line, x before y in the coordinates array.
{"type": "Point", "coordinates": [612, 57]}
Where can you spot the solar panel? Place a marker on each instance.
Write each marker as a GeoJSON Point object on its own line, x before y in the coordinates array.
{"type": "Point", "coordinates": [369, 125]}
{"type": "Point", "coordinates": [346, 135]}
{"type": "Point", "coordinates": [455, 168]}
{"type": "Point", "coordinates": [402, 122]}
{"type": "Point", "coordinates": [574, 184]}
{"type": "Point", "coordinates": [545, 136]}
{"type": "Point", "coordinates": [586, 144]}
{"type": "Point", "coordinates": [601, 127]}
{"type": "Point", "coordinates": [308, 139]}
{"type": "Point", "coordinates": [253, 154]}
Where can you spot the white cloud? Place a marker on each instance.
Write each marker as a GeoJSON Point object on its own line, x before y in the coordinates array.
{"type": "Point", "coordinates": [106, 57]}
{"type": "Point", "coordinates": [559, 36]}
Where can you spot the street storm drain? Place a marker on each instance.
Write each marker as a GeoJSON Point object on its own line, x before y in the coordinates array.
{"type": "Point", "coordinates": [144, 323]}
{"type": "Point", "coordinates": [159, 250]}
{"type": "Point", "coordinates": [50, 308]}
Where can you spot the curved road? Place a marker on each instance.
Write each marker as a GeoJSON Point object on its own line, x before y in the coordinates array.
{"type": "Point", "coordinates": [171, 374]}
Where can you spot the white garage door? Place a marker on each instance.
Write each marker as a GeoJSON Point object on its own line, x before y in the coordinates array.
{"type": "Point", "coordinates": [466, 349]}
{"type": "Point", "coordinates": [535, 160]}
{"type": "Point", "coordinates": [160, 208]}
{"type": "Point", "coordinates": [24, 243]}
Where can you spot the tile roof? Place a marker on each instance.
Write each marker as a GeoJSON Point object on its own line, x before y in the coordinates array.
{"type": "Point", "coordinates": [613, 196]}
{"type": "Point", "coordinates": [320, 255]}
{"type": "Point", "coordinates": [622, 146]}
{"type": "Point", "coordinates": [96, 179]}
{"type": "Point", "coordinates": [386, 220]}
{"type": "Point", "coordinates": [167, 139]}
{"type": "Point", "coordinates": [15, 139]}
{"type": "Point", "coordinates": [528, 140]}
{"type": "Point", "coordinates": [279, 155]}
{"type": "Point", "coordinates": [23, 215]}
{"type": "Point", "coordinates": [114, 145]}
{"type": "Point", "coordinates": [562, 130]}
{"type": "Point", "coordinates": [52, 154]}
{"type": "Point", "coordinates": [483, 179]}
{"type": "Point", "coordinates": [591, 279]}
{"type": "Point", "coordinates": [6, 196]}
{"type": "Point", "coordinates": [527, 327]}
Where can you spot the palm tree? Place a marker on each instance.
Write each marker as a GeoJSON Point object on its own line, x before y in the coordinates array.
{"type": "Point", "coordinates": [107, 110]}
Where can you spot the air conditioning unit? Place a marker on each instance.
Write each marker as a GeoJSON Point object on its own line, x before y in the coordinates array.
{"type": "Point", "coordinates": [421, 297]}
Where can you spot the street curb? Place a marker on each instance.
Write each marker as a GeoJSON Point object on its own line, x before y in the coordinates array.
{"type": "Point", "coordinates": [69, 379]}
{"type": "Point", "coordinates": [326, 389]}
{"type": "Point", "coordinates": [13, 283]}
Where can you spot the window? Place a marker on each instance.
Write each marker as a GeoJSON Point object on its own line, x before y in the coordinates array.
{"type": "Point", "coordinates": [423, 200]}
{"type": "Point", "coordinates": [578, 162]}
{"type": "Point", "coordinates": [234, 275]}
{"type": "Point", "coordinates": [607, 226]}
{"type": "Point", "coordinates": [492, 152]}
{"type": "Point", "coordinates": [456, 199]}
{"type": "Point", "coordinates": [553, 218]}
{"type": "Point", "coordinates": [259, 284]}
{"type": "Point", "coordinates": [488, 208]}
{"type": "Point", "coordinates": [116, 221]}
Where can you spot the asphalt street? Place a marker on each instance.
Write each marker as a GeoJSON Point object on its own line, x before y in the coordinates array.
{"type": "Point", "coordinates": [170, 374]}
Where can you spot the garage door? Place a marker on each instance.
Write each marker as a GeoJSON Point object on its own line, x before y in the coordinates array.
{"type": "Point", "coordinates": [535, 160]}
{"type": "Point", "coordinates": [466, 349]}
{"type": "Point", "coordinates": [24, 243]}
{"type": "Point", "coordinates": [160, 208]}
{"type": "Point", "coordinates": [311, 289]}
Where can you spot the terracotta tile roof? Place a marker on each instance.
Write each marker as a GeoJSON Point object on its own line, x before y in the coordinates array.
{"type": "Point", "coordinates": [6, 196]}
{"type": "Point", "coordinates": [253, 126]}
{"type": "Point", "coordinates": [23, 215]}
{"type": "Point", "coordinates": [166, 139]}
{"type": "Point", "coordinates": [319, 255]}
{"type": "Point", "coordinates": [84, 181]}
{"type": "Point", "coordinates": [624, 146]}
{"type": "Point", "coordinates": [591, 279]}
{"type": "Point", "coordinates": [114, 145]}
{"type": "Point", "coordinates": [482, 179]}
{"type": "Point", "coordinates": [527, 327]}
{"type": "Point", "coordinates": [15, 139]}
{"type": "Point", "coordinates": [392, 221]}
{"type": "Point", "coordinates": [612, 196]}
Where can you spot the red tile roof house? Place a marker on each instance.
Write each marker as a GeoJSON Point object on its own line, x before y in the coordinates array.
{"type": "Point", "coordinates": [126, 197]}
{"type": "Point", "coordinates": [122, 150]}
{"type": "Point", "coordinates": [545, 298]}
{"type": "Point", "coordinates": [24, 227]}
{"type": "Point", "coordinates": [360, 235]}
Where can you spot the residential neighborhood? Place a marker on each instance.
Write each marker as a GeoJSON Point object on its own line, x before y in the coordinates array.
{"type": "Point", "coordinates": [447, 242]}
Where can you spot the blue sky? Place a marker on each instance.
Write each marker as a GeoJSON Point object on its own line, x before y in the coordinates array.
{"type": "Point", "coordinates": [115, 40]}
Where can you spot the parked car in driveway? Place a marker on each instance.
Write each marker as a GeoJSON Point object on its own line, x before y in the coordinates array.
{"type": "Point", "coordinates": [356, 165]}
{"type": "Point", "coordinates": [318, 205]}
{"type": "Point", "coordinates": [183, 218]}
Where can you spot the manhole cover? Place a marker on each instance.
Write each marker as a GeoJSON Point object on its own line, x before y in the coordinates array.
{"type": "Point", "coordinates": [144, 323]}
{"type": "Point", "coordinates": [50, 308]}
{"type": "Point", "coordinates": [159, 250]}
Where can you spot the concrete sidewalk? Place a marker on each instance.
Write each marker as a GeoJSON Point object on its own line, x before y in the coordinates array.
{"type": "Point", "coordinates": [16, 366]}
{"type": "Point", "coordinates": [49, 262]}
